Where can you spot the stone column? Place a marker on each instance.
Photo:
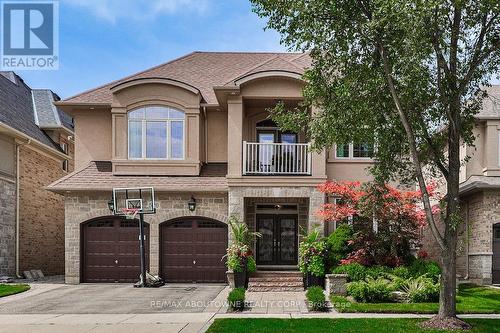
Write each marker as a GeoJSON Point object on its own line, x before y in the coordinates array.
{"type": "Point", "coordinates": [316, 200]}
{"type": "Point", "coordinates": [154, 246]}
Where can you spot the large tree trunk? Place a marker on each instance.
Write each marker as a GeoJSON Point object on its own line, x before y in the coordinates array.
{"type": "Point", "coordinates": [447, 304]}
{"type": "Point", "coordinates": [447, 315]}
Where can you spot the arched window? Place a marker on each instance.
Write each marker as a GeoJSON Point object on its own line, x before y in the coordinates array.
{"type": "Point", "coordinates": [156, 132]}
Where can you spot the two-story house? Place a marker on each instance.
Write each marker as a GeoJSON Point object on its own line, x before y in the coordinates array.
{"type": "Point", "coordinates": [36, 148]}
{"type": "Point", "coordinates": [195, 129]}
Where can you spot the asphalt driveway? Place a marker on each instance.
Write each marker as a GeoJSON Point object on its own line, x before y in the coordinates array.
{"type": "Point", "coordinates": [111, 298]}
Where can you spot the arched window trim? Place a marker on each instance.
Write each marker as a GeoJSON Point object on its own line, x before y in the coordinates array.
{"type": "Point", "coordinates": [144, 120]}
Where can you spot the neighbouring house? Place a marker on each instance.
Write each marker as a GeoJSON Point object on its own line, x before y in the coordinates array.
{"type": "Point", "coordinates": [195, 127]}
{"type": "Point", "coordinates": [36, 148]}
{"type": "Point", "coordinates": [478, 253]}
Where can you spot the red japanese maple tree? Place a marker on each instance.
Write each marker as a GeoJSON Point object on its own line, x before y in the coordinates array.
{"type": "Point", "coordinates": [387, 221]}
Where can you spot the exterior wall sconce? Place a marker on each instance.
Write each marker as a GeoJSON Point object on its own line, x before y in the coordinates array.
{"type": "Point", "coordinates": [111, 205]}
{"type": "Point", "coordinates": [192, 204]}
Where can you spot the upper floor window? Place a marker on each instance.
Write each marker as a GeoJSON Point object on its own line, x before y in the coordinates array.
{"type": "Point", "coordinates": [356, 150]}
{"type": "Point", "coordinates": [156, 132]}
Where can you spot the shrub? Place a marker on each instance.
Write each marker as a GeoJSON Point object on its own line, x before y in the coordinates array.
{"type": "Point", "coordinates": [236, 299]}
{"type": "Point", "coordinates": [421, 267]}
{"type": "Point", "coordinates": [401, 272]}
{"type": "Point", "coordinates": [378, 271]}
{"type": "Point", "coordinates": [316, 298]}
{"type": "Point", "coordinates": [371, 290]}
{"type": "Point", "coordinates": [420, 289]}
{"type": "Point", "coordinates": [338, 245]}
{"type": "Point", "coordinates": [354, 271]}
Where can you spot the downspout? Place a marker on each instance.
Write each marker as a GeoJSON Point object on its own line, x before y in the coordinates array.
{"type": "Point", "coordinates": [205, 132]}
{"type": "Point", "coordinates": [466, 277]}
{"type": "Point", "coordinates": [18, 146]}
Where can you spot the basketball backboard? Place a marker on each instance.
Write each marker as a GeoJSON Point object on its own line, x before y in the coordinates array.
{"type": "Point", "coordinates": [140, 198]}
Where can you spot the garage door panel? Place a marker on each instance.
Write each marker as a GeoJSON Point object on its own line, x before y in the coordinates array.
{"type": "Point", "coordinates": [110, 250]}
{"type": "Point", "coordinates": [100, 248]}
{"type": "Point", "coordinates": [192, 249]}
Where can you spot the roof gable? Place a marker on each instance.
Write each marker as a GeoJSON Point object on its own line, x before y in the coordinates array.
{"type": "Point", "coordinates": [203, 70]}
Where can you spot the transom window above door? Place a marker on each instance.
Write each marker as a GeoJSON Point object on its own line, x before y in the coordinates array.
{"type": "Point", "coordinates": [156, 132]}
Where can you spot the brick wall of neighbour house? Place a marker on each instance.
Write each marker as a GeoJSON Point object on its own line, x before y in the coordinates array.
{"type": "Point", "coordinates": [82, 207]}
{"type": "Point", "coordinates": [479, 212]}
{"type": "Point", "coordinates": [7, 226]}
{"type": "Point", "coordinates": [41, 213]}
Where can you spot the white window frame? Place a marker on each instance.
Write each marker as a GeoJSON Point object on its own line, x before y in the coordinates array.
{"type": "Point", "coordinates": [168, 122]}
{"type": "Point", "coordinates": [351, 154]}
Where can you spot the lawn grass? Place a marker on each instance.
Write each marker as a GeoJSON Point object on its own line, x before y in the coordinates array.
{"type": "Point", "coordinates": [470, 299]}
{"type": "Point", "coordinates": [11, 289]}
{"type": "Point", "coordinates": [358, 325]}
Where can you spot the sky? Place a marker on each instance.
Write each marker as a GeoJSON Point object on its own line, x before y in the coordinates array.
{"type": "Point", "coordinates": [104, 40]}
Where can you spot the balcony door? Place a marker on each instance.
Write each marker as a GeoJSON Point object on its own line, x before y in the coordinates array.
{"type": "Point", "coordinates": [278, 244]}
{"type": "Point", "coordinates": [270, 154]}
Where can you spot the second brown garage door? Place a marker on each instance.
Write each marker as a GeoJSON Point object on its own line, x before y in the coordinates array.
{"type": "Point", "coordinates": [192, 250]}
{"type": "Point", "coordinates": [110, 250]}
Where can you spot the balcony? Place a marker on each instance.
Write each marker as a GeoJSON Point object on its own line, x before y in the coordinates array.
{"type": "Point", "coordinates": [276, 158]}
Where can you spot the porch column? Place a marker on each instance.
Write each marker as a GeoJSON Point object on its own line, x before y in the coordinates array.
{"type": "Point", "coordinates": [318, 158]}
{"type": "Point", "coordinates": [234, 136]}
{"type": "Point", "coordinates": [316, 201]}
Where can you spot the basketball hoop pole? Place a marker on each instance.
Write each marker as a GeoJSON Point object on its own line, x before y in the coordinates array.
{"type": "Point", "coordinates": [142, 250]}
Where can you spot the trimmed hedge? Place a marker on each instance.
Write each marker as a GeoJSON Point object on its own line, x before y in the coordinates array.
{"type": "Point", "coordinates": [316, 298]}
{"type": "Point", "coordinates": [236, 299]}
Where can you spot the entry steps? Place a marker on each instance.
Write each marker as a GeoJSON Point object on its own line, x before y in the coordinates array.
{"type": "Point", "coordinates": [289, 281]}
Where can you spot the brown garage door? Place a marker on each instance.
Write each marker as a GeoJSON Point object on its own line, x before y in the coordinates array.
{"type": "Point", "coordinates": [110, 250]}
{"type": "Point", "coordinates": [192, 250]}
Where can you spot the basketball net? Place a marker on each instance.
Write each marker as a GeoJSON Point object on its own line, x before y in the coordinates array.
{"type": "Point", "coordinates": [130, 213]}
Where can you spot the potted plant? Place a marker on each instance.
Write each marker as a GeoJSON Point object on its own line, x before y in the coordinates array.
{"type": "Point", "coordinates": [239, 254]}
{"type": "Point", "coordinates": [312, 255]}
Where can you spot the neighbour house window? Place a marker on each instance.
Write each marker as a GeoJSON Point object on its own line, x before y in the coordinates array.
{"type": "Point", "coordinates": [65, 163]}
{"type": "Point", "coordinates": [357, 150]}
{"type": "Point", "coordinates": [156, 132]}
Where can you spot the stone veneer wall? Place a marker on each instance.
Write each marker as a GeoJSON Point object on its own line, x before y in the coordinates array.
{"type": "Point", "coordinates": [41, 213]}
{"type": "Point", "coordinates": [239, 196]}
{"type": "Point", "coordinates": [481, 210]}
{"type": "Point", "coordinates": [81, 207]}
{"type": "Point", "coordinates": [7, 227]}
{"type": "Point", "coordinates": [251, 214]}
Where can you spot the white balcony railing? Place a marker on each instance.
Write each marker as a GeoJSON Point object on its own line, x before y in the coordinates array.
{"type": "Point", "coordinates": [276, 158]}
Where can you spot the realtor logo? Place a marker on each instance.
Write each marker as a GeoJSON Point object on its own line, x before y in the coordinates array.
{"type": "Point", "coordinates": [30, 38]}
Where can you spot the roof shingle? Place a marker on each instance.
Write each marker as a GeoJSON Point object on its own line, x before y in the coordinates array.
{"type": "Point", "coordinates": [204, 70]}
{"type": "Point", "coordinates": [98, 176]}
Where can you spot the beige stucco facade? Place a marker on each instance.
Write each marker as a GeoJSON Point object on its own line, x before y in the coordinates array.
{"type": "Point", "coordinates": [215, 133]}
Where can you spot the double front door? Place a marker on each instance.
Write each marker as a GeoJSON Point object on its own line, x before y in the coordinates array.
{"type": "Point", "coordinates": [278, 244]}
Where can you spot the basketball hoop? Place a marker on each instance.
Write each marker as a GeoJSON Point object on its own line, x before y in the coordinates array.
{"type": "Point", "coordinates": [130, 213]}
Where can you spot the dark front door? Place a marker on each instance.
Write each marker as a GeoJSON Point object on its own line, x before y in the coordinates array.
{"type": "Point", "coordinates": [192, 249]}
{"type": "Point", "coordinates": [278, 244]}
{"type": "Point", "coordinates": [110, 250]}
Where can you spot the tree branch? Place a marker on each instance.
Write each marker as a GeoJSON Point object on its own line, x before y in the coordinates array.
{"type": "Point", "coordinates": [477, 57]}
{"type": "Point", "coordinates": [413, 147]}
